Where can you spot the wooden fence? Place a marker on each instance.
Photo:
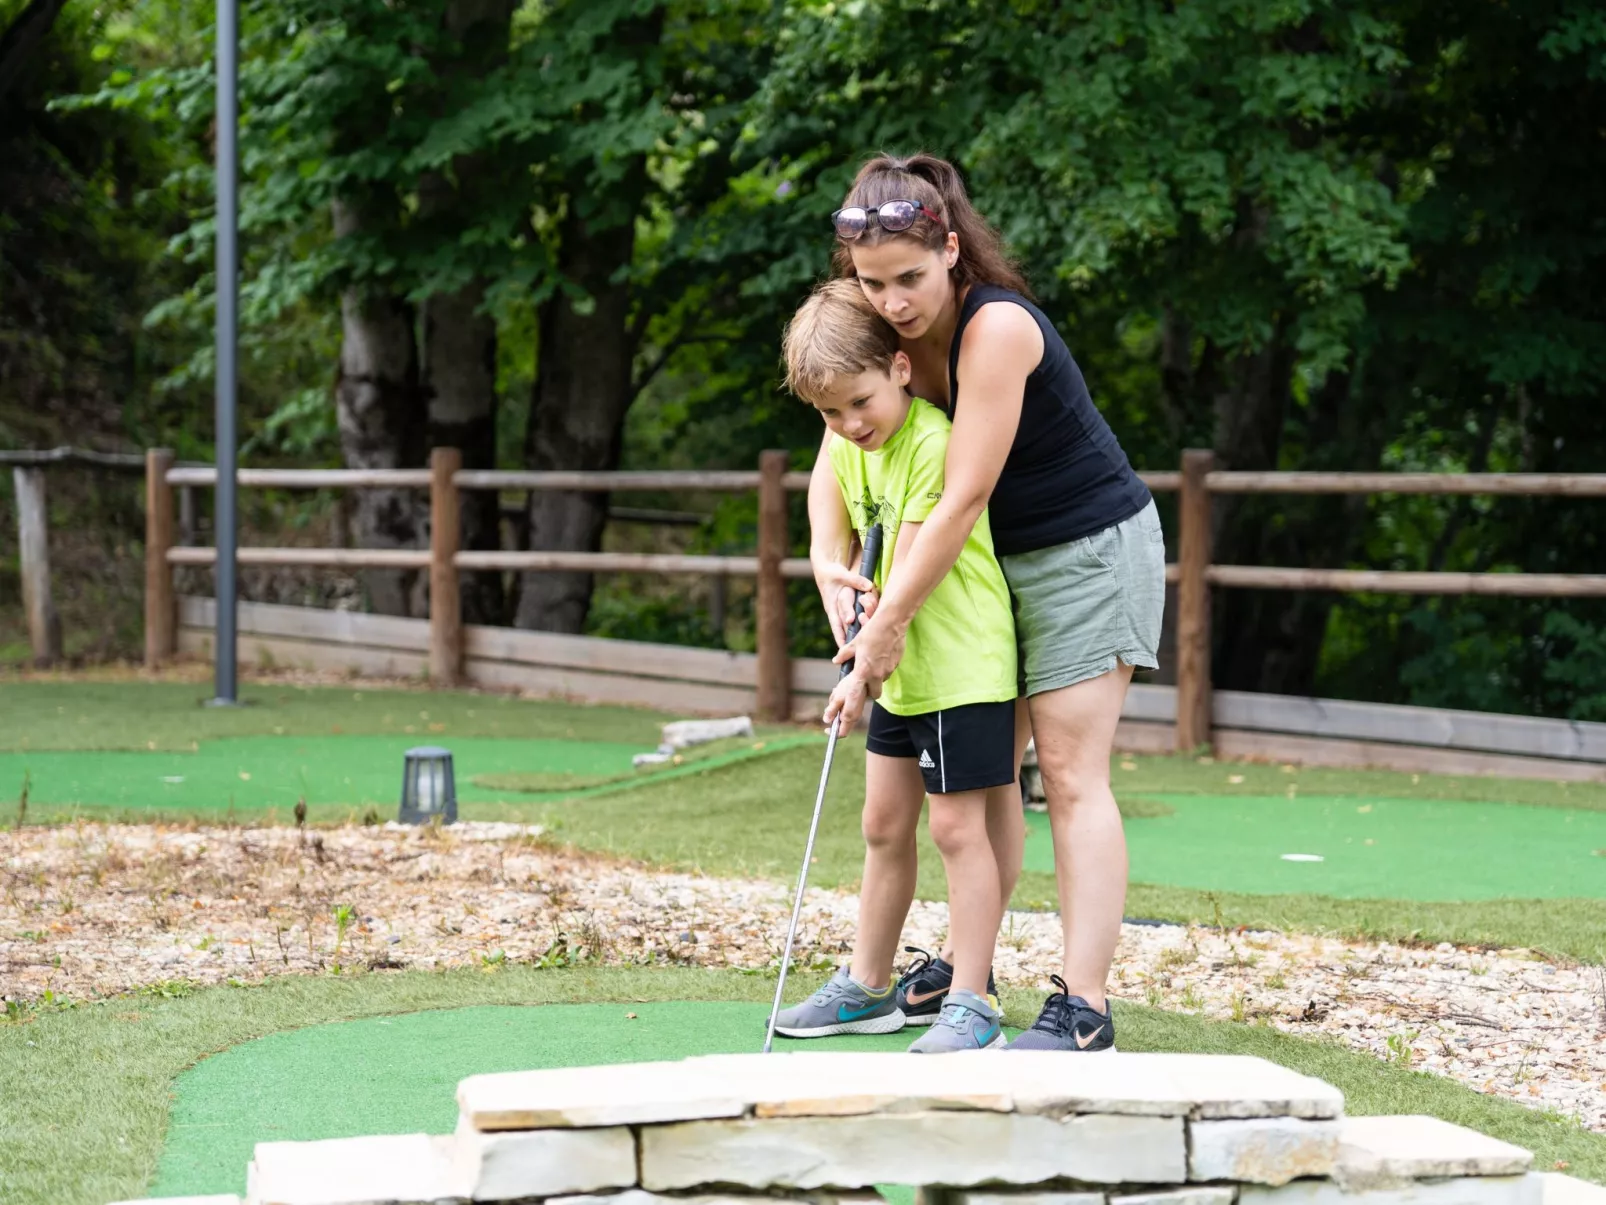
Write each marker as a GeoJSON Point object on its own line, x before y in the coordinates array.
{"type": "Point", "coordinates": [1194, 573]}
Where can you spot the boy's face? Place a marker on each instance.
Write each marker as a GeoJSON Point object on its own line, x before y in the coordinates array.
{"type": "Point", "coordinates": [869, 408]}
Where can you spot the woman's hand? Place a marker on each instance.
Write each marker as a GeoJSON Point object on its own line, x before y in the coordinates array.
{"type": "Point", "coordinates": [838, 584]}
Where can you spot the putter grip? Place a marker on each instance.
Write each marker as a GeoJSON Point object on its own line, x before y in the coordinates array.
{"type": "Point", "coordinates": [867, 568]}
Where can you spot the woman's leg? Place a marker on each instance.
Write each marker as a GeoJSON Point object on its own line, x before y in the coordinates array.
{"type": "Point", "coordinates": [959, 827]}
{"type": "Point", "coordinates": [893, 793]}
{"type": "Point", "coordinates": [1075, 728]}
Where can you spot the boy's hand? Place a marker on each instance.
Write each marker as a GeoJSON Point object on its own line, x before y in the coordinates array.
{"type": "Point", "coordinates": [837, 585]}
{"type": "Point", "coordinates": [848, 700]}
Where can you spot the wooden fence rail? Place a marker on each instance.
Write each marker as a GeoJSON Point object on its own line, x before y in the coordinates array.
{"type": "Point", "coordinates": [1194, 573]}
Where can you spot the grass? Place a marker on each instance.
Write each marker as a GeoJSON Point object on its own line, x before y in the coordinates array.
{"type": "Point", "coordinates": [748, 819]}
{"type": "Point", "coordinates": [85, 1092]}
{"type": "Point", "coordinates": [80, 715]}
{"type": "Point", "coordinates": [537, 783]}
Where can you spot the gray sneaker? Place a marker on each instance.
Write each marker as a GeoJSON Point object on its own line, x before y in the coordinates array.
{"type": "Point", "coordinates": [842, 1006]}
{"type": "Point", "coordinates": [967, 1023]}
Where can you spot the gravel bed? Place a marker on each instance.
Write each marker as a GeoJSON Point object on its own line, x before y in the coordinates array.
{"type": "Point", "coordinates": [94, 910]}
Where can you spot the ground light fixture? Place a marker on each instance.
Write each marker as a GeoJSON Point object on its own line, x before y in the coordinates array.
{"type": "Point", "coordinates": [429, 789]}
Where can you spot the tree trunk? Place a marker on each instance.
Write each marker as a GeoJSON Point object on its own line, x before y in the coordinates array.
{"type": "Point", "coordinates": [459, 376]}
{"type": "Point", "coordinates": [19, 44]}
{"type": "Point", "coordinates": [383, 425]}
{"type": "Point", "coordinates": [458, 340]}
{"type": "Point", "coordinates": [582, 390]}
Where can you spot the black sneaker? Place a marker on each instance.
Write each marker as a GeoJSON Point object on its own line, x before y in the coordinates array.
{"type": "Point", "coordinates": [924, 986]}
{"type": "Point", "coordinates": [1068, 1023]}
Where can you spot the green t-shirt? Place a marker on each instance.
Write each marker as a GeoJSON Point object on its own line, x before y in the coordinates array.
{"type": "Point", "coordinates": [961, 643]}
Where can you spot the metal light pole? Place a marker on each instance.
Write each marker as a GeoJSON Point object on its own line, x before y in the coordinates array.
{"type": "Point", "coordinates": [227, 172]}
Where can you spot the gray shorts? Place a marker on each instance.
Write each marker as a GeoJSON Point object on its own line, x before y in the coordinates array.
{"type": "Point", "coordinates": [1082, 607]}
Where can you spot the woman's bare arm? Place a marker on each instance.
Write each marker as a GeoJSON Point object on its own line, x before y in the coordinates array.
{"type": "Point", "coordinates": [831, 542]}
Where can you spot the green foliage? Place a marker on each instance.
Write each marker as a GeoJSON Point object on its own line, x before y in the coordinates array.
{"type": "Point", "coordinates": [1313, 234]}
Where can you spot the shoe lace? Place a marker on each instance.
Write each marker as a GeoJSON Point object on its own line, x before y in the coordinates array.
{"type": "Point", "coordinates": [1058, 1011]}
{"type": "Point", "coordinates": [925, 961]}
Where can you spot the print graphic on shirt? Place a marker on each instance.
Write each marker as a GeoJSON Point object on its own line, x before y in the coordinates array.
{"type": "Point", "coordinates": [872, 510]}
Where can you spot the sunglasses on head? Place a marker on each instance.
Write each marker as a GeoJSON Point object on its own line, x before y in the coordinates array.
{"type": "Point", "coordinates": [892, 216]}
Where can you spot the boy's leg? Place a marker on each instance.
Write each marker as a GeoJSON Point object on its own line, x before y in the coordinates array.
{"type": "Point", "coordinates": [893, 793]}
{"type": "Point", "coordinates": [1006, 823]}
{"type": "Point", "coordinates": [975, 905]}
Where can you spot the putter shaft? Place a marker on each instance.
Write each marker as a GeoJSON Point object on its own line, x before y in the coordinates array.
{"type": "Point", "coordinates": [802, 879]}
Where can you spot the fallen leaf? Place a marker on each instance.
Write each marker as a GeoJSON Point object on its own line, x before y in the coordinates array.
{"type": "Point", "coordinates": [244, 777]}
{"type": "Point", "coordinates": [632, 1017]}
{"type": "Point", "coordinates": [1235, 779]}
{"type": "Point", "coordinates": [1364, 808]}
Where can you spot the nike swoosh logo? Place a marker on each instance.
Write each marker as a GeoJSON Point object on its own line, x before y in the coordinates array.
{"type": "Point", "coordinates": [1084, 1042]}
{"type": "Point", "coordinates": [919, 998]}
{"type": "Point", "coordinates": [844, 1013]}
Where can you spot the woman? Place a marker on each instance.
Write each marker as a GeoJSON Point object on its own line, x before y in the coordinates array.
{"type": "Point", "coordinates": [1075, 530]}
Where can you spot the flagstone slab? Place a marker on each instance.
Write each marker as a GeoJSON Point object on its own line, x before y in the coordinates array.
{"type": "Point", "coordinates": [516, 1165]}
{"type": "Point", "coordinates": [1462, 1190]}
{"type": "Point", "coordinates": [841, 1084]}
{"type": "Point", "coordinates": [955, 1149]}
{"type": "Point", "coordinates": [1262, 1150]}
{"type": "Point", "coordinates": [395, 1169]}
{"type": "Point", "coordinates": [1381, 1151]}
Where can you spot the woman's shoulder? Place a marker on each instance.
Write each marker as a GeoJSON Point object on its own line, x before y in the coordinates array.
{"type": "Point", "coordinates": [1006, 324]}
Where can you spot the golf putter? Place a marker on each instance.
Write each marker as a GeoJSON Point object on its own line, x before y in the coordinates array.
{"type": "Point", "coordinates": [867, 568]}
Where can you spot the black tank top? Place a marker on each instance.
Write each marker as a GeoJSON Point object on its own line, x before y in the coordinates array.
{"type": "Point", "coordinates": [1066, 476]}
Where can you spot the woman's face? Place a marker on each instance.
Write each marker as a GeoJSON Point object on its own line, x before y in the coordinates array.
{"type": "Point", "coordinates": [907, 283]}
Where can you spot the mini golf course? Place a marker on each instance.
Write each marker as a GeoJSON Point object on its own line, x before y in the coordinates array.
{"type": "Point", "coordinates": [1359, 848]}
{"type": "Point", "coordinates": [396, 1073]}
{"type": "Point", "coordinates": [399, 1074]}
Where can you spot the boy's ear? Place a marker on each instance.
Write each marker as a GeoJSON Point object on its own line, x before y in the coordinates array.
{"type": "Point", "coordinates": [902, 370]}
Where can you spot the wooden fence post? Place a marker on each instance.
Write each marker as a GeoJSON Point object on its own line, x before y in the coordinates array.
{"type": "Point", "coordinates": [774, 663]}
{"type": "Point", "coordinates": [33, 544]}
{"type": "Point", "coordinates": [1193, 604]}
{"type": "Point", "coordinates": [445, 603]}
{"type": "Point", "coordinates": [160, 613]}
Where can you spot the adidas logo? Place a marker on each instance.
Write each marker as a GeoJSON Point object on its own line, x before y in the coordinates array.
{"type": "Point", "coordinates": [925, 760]}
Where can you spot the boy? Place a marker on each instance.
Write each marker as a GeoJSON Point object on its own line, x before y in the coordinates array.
{"type": "Point", "coordinates": [945, 722]}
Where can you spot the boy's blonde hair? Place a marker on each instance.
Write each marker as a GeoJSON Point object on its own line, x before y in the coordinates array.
{"type": "Point", "coordinates": [836, 332]}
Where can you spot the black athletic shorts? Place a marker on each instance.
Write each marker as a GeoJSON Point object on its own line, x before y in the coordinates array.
{"type": "Point", "coordinates": [966, 748]}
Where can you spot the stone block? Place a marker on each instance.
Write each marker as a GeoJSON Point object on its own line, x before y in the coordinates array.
{"type": "Point", "coordinates": [1557, 1189]}
{"type": "Point", "coordinates": [955, 1149]}
{"type": "Point", "coordinates": [1380, 1152]}
{"type": "Point", "coordinates": [640, 1196]}
{"type": "Point", "coordinates": [833, 1083]}
{"type": "Point", "coordinates": [540, 1163]}
{"type": "Point", "coordinates": [623, 1094]}
{"type": "Point", "coordinates": [1198, 1194]}
{"type": "Point", "coordinates": [994, 1197]}
{"type": "Point", "coordinates": [1261, 1150]}
{"type": "Point", "coordinates": [397, 1169]}
{"type": "Point", "coordinates": [1463, 1190]}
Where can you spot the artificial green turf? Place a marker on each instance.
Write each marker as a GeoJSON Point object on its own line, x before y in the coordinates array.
{"type": "Point", "coordinates": [258, 776]}
{"type": "Point", "coordinates": [85, 1093]}
{"type": "Point", "coordinates": [172, 715]}
{"type": "Point", "coordinates": [399, 1074]}
{"type": "Point", "coordinates": [1413, 848]}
